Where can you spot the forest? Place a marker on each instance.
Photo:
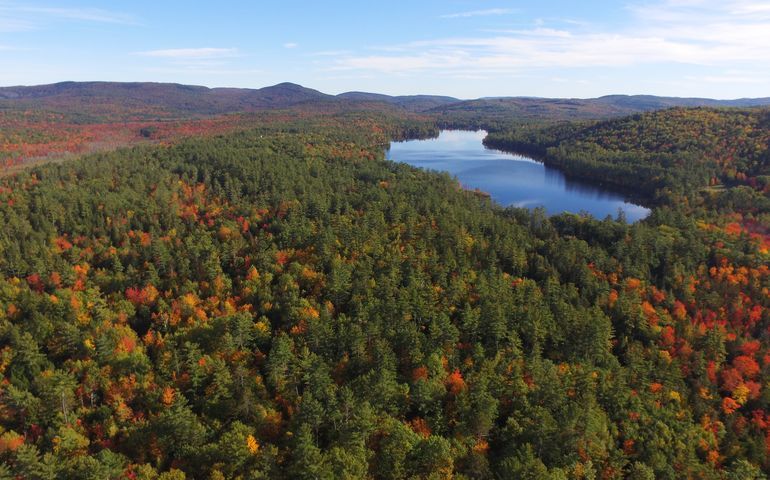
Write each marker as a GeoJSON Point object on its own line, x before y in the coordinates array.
{"type": "Point", "coordinates": [279, 301]}
{"type": "Point", "coordinates": [671, 152]}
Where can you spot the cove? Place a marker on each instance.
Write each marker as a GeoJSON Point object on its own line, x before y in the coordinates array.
{"type": "Point", "coordinates": [511, 180]}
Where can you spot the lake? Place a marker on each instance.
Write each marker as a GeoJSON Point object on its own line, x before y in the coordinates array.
{"type": "Point", "coordinates": [510, 179]}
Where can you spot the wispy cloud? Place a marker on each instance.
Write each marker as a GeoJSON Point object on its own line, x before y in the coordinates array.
{"type": "Point", "coordinates": [84, 14]}
{"type": "Point", "coordinates": [728, 79]}
{"type": "Point", "coordinates": [536, 48]}
{"type": "Point", "coordinates": [191, 53]}
{"type": "Point", "coordinates": [16, 17]}
{"type": "Point", "coordinates": [331, 53]}
{"type": "Point", "coordinates": [716, 35]}
{"type": "Point", "coordinates": [203, 70]}
{"type": "Point", "coordinates": [290, 45]}
{"type": "Point", "coordinates": [15, 24]}
{"type": "Point", "coordinates": [481, 13]}
{"type": "Point", "coordinates": [693, 11]}
{"type": "Point", "coordinates": [752, 8]}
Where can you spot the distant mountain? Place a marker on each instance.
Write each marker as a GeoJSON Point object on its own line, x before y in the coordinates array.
{"type": "Point", "coordinates": [367, 97]}
{"type": "Point", "coordinates": [534, 108]}
{"type": "Point", "coordinates": [527, 108]}
{"type": "Point", "coordinates": [651, 102]}
{"type": "Point", "coordinates": [97, 101]}
{"type": "Point", "coordinates": [148, 99]}
{"type": "Point", "coordinates": [278, 96]}
{"type": "Point", "coordinates": [164, 99]}
{"type": "Point", "coordinates": [413, 103]}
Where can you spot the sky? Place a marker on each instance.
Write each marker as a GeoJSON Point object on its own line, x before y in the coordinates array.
{"type": "Point", "coordinates": [461, 48]}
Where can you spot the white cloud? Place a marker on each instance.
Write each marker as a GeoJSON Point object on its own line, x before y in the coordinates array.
{"type": "Point", "coordinates": [728, 79]}
{"type": "Point", "coordinates": [331, 53]}
{"type": "Point", "coordinates": [203, 70]}
{"type": "Point", "coordinates": [715, 35]}
{"type": "Point", "coordinates": [15, 25]}
{"type": "Point", "coordinates": [290, 45]}
{"type": "Point", "coordinates": [530, 50]}
{"type": "Point", "coordinates": [84, 14]}
{"type": "Point", "coordinates": [15, 17]}
{"type": "Point", "coordinates": [481, 13]}
{"type": "Point", "coordinates": [191, 53]}
{"type": "Point", "coordinates": [752, 8]}
{"type": "Point", "coordinates": [692, 12]}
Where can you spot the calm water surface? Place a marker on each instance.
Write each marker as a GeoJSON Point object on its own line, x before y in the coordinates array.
{"type": "Point", "coordinates": [510, 179]}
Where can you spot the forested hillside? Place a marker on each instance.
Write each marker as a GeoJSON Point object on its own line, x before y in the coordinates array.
{"type": "Point", "coordinates": [30, 137]}
{"type": "Point", "coordinates": [148, 100]}
{"type": "Point", "coordinates": [491, 113]}
{"type": "Point", "coordinates": [284, 303]}
{"type": "Point", "coordinates": [58, 121]}
{"type": "Point", "coordinates": [674, 152]}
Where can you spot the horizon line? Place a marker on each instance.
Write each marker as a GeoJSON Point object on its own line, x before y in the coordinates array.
{"type": "Point", "coordinates": [488, 97]}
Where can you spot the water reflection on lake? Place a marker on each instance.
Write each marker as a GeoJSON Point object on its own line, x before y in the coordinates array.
{"type": "Point", "coordinates": [510, 179]}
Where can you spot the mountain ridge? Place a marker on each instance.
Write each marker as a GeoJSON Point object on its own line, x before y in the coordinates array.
{"type": "Point", "coordinates": [175, 99]}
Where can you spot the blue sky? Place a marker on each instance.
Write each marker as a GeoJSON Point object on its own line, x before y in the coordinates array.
{"type": "Point", "coordinates": [467, 49]}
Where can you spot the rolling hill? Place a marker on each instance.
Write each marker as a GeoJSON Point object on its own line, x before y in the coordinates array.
{"type": "Point", "coordinates": [610, 106]}
{"type": "Point", "coordinates": [94, 101]}
{"type": "Point", "coordinates": [413, 103]}
{"type": "Point", "coordinates": [154, 99]}
{"type": "Point", "coordinates": [38, 123]}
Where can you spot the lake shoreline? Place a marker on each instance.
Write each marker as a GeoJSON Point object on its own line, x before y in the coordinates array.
{"type": "Point", "coordinates": [630, 196]}
{"type": "Point", "coordinates": [512, 179]}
